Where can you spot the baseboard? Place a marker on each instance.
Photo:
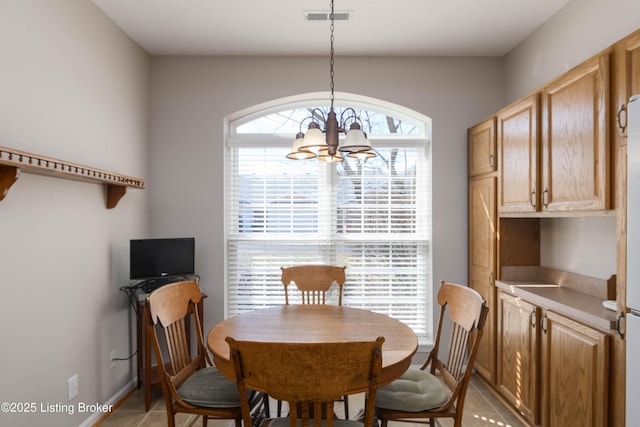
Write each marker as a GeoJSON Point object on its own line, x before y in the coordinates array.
{"type": "Point", "coordinates": [97, 417]}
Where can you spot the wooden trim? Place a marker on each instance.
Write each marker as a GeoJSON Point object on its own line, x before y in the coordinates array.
{"type": "Point", "coordinates": [12, 161]}
{"type": "Point", "coordinates": [8, 176]}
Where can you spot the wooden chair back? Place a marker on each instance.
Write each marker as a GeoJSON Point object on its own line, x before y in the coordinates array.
{"type": "Point", "coordinates": [308, 376]}
{"type": "Point", "coordinates": [170, 308]}
{"type": "Point", "coordinates": [313, 281]}
{"type": "Point", "coordinates": [464, 311]}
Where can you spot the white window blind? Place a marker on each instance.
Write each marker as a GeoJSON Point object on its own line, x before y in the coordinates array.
{"type": "Point", "coordinates": [371, 216]}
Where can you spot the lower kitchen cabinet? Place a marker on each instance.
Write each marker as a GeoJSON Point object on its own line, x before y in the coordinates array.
{"type": "Point", "coordinates": [574, 373]}
{"type": "Point", "coordinates": [553, 370]}
{"type": "Point", "coordinates": [517, 355]}
{"type": "Point", "coordinates": [485, 357]}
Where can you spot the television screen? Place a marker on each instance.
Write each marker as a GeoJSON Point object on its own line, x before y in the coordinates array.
{"type": "Point", "coordinates": [151, 258]}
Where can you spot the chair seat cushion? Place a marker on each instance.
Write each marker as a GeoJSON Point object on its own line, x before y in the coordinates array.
{"type": "Point", "coordinates": [208, 387]}
{"type": "Point", "coordinates": [415, 391]}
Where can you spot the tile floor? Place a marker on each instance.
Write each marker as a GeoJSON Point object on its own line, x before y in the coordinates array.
{"type": "Point", "coordinates": [482, 409]}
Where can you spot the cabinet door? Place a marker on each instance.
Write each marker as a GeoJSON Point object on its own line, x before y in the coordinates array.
{"type": "Point", "coordinates": [627, 81]}
{"type": "Point", "coordinates": [482, 148]}
{"type": "Point", "coordinates": [517, 128]}
{"type": "Point", "coordinates": [575, 139]}
{"type": "Point", "coordinates": [575, 373]}
{"type": "Point", "coordinates": [486, 357]}
{"type": "Point", "coordinates": [482, 230]}
{"type": "Point", "coordinates": [517, 362]}
{"type": "Point", "coordinates": [482, 263]}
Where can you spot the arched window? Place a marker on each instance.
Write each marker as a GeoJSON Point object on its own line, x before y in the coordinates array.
{"type": "Point", "coordinates": [373, 215]}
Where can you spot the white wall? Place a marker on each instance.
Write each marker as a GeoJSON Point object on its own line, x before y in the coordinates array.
{"type": "Point", "coordinates": [192, 95]}
{"type": "Point", "coordinates": [73, 87]}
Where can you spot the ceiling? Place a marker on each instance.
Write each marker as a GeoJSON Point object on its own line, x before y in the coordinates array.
{"type": "Point", "coordinates": [279, 27]}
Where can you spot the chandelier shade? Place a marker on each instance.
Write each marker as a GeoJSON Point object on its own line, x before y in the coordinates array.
{"type": "Point", "coordinates": [325, 156]}
{"type": "Point", "coordinates": [322, 139]}
{"type": "Point", "coordinates": [314, 139]}
{"type": "Point", "coordinates": [356, 140]}
{"type": "Point", "coordinates": [297, 151]}
{"type": "Point", "coordinates": [361, 155]}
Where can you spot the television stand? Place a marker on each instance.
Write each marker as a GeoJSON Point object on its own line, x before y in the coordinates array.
{"type": "Point", "coordinates": [150, 284]}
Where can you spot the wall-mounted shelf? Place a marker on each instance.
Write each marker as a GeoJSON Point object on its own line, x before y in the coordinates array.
{"type": "Point", "coordinates": [13, 161]}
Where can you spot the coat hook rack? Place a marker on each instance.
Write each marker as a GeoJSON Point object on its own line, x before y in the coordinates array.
{"type": "Point", "coordinates": [12, 162]}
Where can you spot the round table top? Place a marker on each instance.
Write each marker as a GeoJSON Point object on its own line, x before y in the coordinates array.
{"type": "Point", "coordinates": [317, 323]}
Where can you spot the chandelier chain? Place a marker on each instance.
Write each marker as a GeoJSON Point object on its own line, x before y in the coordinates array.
{"type": "Point", "coordinates": [331, 62]}
{"type": "Point", "coordinates": [328, 148]}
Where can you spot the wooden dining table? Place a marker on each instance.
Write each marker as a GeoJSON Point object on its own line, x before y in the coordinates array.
{"type": "Point", "coordinates": [317, 324]}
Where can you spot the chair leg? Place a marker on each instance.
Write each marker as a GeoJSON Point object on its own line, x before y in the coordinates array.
{"type": "Point", "coordinates": [204, 421]}
{"type": "Point", "coordinates": [265, 405]}
{"type": "Point", "coordinates": [345, 398]}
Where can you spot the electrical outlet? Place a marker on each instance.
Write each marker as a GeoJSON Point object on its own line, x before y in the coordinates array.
{"type": "Point", "coordinates": [72, 387]}
{"type": "Point", "coordinates": [112, 359]}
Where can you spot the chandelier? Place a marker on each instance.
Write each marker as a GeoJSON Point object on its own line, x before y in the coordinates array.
{"type": "Point", "coordinates": [322, 140]}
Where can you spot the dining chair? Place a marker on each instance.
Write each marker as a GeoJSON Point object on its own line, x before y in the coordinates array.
{"type": "Point", "coordinates": [440, 391]}
{"type": "Point", "coordinates": [313, 282]}
{"type": "Point", "coordinates": [190, 382]}
{"type": "Point", "coordinates": [310, 377]}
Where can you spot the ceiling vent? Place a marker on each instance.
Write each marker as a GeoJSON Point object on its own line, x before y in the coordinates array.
{"type": "Point", "coordinates": [343, 15]}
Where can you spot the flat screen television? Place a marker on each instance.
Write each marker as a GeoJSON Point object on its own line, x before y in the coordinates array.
{"type": "Point", "coordinates": [152, 258]}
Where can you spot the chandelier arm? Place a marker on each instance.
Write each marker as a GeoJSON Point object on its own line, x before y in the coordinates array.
{"type": "Point", "coordinates": [311, 117]}
{"type": "Point", "coordinates": [347, 115]}
{"type": "Point", "coordinates": [318, 114]}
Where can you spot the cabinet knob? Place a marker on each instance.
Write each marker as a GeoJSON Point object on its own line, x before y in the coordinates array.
{"type": "Point", "coordinates": [492, 160]}
{"type": "Point", "coordinates": [545, 197]}
{"type": "Point", "coordinates": [622, 113]}
{"type": "Point", "coordinates": [543, 323]}
{"type": "Point", "coordinates": [621, 325]}
{"type": "Point", "coordinates": [532, 319]}
{"type": "Point", "coordinates": [532, 198]}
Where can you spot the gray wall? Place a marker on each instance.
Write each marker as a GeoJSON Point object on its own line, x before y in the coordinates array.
{"type": "Point", "coordinates": [580, 30]}
{"type": "Point", "coordinates": [73, 87]}
{"type": "Point", "coordinates": [191, 97]}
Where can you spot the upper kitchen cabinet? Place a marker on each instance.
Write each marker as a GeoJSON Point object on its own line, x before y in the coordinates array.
{"type": "Point", "coordinates": [517, 128]}
{"type": "Point", "coordinates": [627, 81]}
{"type": "Point", "coordinates": [482, 148]}
{"type": "Point", "coordinates": [554, 154]}
{"type": "Point", "coordinates": [575, 139]}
